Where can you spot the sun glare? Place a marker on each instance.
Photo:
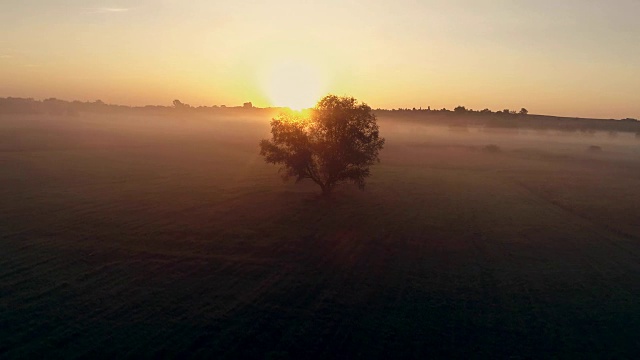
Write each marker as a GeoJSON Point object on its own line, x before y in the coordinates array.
{"type": "Point", "coordinates": [294, 84]}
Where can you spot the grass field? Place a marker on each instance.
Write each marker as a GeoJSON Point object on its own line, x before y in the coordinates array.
{"type": "Point", "coordinates": [127, 236]}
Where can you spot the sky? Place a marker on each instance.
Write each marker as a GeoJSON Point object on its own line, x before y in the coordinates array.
{"type": "Point", "coordinates": [568, 58]}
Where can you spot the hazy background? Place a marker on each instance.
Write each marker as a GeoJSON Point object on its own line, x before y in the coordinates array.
{"type": "Point", "coordinates": [573, 58]}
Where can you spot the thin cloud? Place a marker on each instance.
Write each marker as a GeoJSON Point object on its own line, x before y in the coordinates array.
{"type": "Point", "coordinates": [108, 10]}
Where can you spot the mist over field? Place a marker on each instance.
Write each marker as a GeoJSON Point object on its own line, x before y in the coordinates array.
{"type": "Point", "coordinates": [463, 179]}
{"type": "Point", "coordinates": [168, 235]}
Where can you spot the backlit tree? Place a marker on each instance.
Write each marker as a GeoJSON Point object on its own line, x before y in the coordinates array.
{"type": "Point", "coordinates": [336, 142]}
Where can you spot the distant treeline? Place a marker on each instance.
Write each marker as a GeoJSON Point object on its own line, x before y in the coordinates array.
{"type": "Point", "coordinates": [460, 117]}
{"type": "Point", "coordinates": [73, 108]}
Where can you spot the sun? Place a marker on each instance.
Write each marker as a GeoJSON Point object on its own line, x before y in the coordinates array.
{"type": "Point", "coordinates": [294, 84]}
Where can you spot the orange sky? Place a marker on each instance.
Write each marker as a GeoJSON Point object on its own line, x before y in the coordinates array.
{"type": "Point", "coordinates": [575, 58]}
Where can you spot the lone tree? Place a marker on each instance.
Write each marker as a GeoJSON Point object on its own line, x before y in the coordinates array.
{"type": "Point", "coordinates": [335, 142]}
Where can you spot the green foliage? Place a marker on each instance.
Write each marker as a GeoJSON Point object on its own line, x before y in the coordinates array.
{"type": "Point", "coordinates": [336, 142]}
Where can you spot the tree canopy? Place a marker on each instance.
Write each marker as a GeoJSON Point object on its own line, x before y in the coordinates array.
{"type": "Point", "coordinates": [335, 142]}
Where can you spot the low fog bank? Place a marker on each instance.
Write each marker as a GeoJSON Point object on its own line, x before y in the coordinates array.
{"type": "Point", "coordinates": [609, 145]}
{"type": "Point", "coordinates": [45, 132]}
{"type": "Point", "coordinates": [39, 132]}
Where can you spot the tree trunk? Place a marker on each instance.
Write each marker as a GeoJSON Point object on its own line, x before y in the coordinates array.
{"type": "Point", "coordinates": [326, 190]}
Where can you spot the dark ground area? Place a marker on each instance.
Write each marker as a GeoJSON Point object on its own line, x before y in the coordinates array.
{"type": "Point", "coordinates": [166, 238]}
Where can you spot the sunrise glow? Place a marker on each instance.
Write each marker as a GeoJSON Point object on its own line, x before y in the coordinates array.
{"type": "Point", "coordinates": [437, 53]}
{"type": "Point", "coordinates": [294, 84]}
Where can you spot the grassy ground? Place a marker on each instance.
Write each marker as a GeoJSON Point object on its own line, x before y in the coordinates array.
{"type": "Point", "coordinates": [170, 237]}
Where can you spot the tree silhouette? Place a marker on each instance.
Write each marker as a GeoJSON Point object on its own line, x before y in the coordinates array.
{"type": "Point", "coordinates": [177, 104]}
{"type": "Point", "coordinates": [336, 142]}
{"type": "Point", "coordinates": [460, 110]}
{"type": "Point", "coordinates": [524, 111]}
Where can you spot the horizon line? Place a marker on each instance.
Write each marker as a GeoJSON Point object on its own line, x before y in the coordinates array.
{"type": "Point", "coordinates": [242, 106]}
